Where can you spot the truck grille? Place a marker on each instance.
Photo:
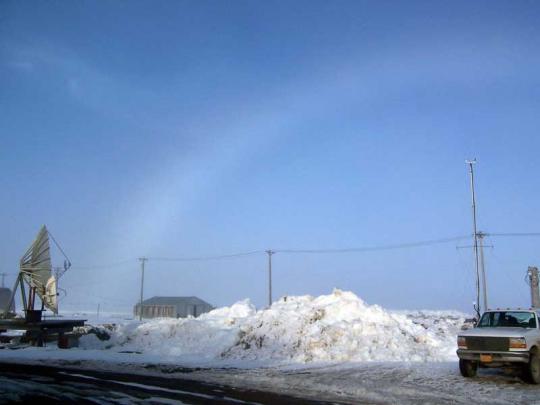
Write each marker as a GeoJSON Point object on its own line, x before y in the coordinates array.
{"type": "Point", "coordinates": [495, 344]}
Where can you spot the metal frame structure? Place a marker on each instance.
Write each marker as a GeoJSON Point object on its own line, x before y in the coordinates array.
{"type": "Point", "coordinates": [36, 272]}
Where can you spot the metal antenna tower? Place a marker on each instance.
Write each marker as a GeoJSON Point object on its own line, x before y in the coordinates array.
{"type": "Point", "coordinates": [475, 236]}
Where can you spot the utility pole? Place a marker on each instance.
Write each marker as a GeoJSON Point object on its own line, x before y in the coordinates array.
{"type": "Point", "coordinates": [481, 236]}
{"type": "Point", "coordinates": [532, 272]}
{"type": "Point", "coordinates": [143, 261]}
{"type": "Point", "coordinates": [475, 236]}
{"type": "Point", "coordinates": [3, 275]}
{"type": "Point", "coordinates": [270, 253]}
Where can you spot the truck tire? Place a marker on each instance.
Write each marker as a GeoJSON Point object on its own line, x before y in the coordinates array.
{"type": "Point", "coordinates": [468, 368]}
{"type": "Point", "coordinates": [532, 370]}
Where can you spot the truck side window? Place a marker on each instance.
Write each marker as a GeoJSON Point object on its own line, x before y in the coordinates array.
{"type": "Point", "coordinates": [486, 320]}
{"type": "Point", "coordinates": [496, 318]}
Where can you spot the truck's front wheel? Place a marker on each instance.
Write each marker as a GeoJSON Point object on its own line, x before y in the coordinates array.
{"type": "Point", "coordinates": [468, 368]}
{"type": "Point", "coordinates": [532, 370]}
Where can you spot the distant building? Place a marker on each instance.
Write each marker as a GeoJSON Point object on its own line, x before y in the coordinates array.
{"type": "Point", "coordinates": [5, 295]}
{"type": "Point", "coordinates": [172, 307]}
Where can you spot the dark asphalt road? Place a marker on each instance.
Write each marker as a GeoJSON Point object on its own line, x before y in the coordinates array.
{"type": "Point", "coordinates": [41, 384]}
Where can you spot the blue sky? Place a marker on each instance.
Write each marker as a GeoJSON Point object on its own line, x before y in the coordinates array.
{"type": "Point", "coordinates": [174, 129]}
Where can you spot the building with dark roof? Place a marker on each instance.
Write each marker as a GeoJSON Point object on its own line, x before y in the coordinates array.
{"type": "Point", "coordinates": [172, 307]}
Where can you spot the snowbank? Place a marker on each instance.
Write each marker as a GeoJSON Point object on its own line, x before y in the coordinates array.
{"type": "Point", "coordinates": [330, 328]}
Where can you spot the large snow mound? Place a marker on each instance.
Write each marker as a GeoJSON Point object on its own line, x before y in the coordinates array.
{"type": "Point", "coordinates": [329, 328]}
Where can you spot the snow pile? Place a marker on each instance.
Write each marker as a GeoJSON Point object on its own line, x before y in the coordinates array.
{"type": "Point", "coordinates": [336, 327]}
{"type": "Point", "coordinates": [207, 336]}
{"type": "Point", "coordinates": [341, 327]}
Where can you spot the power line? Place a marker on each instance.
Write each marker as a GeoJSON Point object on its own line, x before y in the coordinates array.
{"type": "Point", "coordinates": [203, 258]}
{"type": "Point", "coordinates": [376, 248]}
{"type": "Point", "coordinates": [304, 251]}
{"type": "Point", "coordinates": [104, 266]}
{"type": "Point", "coordinates": [514, 234]}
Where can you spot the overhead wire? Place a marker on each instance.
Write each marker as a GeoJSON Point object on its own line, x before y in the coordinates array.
{"type": "Point", "coordinates": [387, 247]}
{"type": "Point", "coordinates": [104, 266]}
{"type": "Point", "coordinates": [203, 258]}
{"type": "Point", "coordinates": [514, 234]}
{"type": "Point", "coordinates": [376, 248]}
{"type": "Point", "coordinates": [397, 246]}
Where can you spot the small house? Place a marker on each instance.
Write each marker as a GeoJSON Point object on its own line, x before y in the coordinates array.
{"type": "Point", "coordinates": [172, 307]}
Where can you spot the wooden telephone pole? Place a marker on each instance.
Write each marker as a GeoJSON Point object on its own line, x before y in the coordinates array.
{"type": "Point", "coordinates": [143, 260]}
{"type": "Point", "coordinates": [270, 253]}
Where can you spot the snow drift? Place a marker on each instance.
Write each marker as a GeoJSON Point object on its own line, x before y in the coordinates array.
{"type": "Point", "coordinates": [330, 328]}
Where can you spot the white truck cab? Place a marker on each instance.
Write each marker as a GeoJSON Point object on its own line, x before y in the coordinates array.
{"type": "Point", "coordinates": [502, 338]}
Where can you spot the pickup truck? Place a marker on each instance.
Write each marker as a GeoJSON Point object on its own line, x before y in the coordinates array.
{"type": "Point", "coordinates": [502, 338]}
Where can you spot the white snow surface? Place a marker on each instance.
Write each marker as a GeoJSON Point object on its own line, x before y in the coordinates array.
{"type": "Point", "coordinates": [333, 347]}
{"type": "Point", "coordinates": [338, 327]}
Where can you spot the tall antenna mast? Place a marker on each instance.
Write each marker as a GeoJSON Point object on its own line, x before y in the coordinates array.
{"type": "Point", "coordinates": [475, 236]}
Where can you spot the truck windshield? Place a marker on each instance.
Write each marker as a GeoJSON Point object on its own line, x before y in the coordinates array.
{"type": "Point", "coordinates": [508, 319]}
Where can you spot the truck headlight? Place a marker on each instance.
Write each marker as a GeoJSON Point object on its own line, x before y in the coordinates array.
{"type": "Point", "coordinates": [518, 343]}
{"type": "Point", "coordinates": [461, 342]}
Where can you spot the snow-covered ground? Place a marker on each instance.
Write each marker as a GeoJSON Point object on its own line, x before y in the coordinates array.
{"type": "Point", "coordinates": [299, 330]}
{"type": "Point", "coordinates": [333, 346]}
{"type": "Point", "coordinates": [383, 383]}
